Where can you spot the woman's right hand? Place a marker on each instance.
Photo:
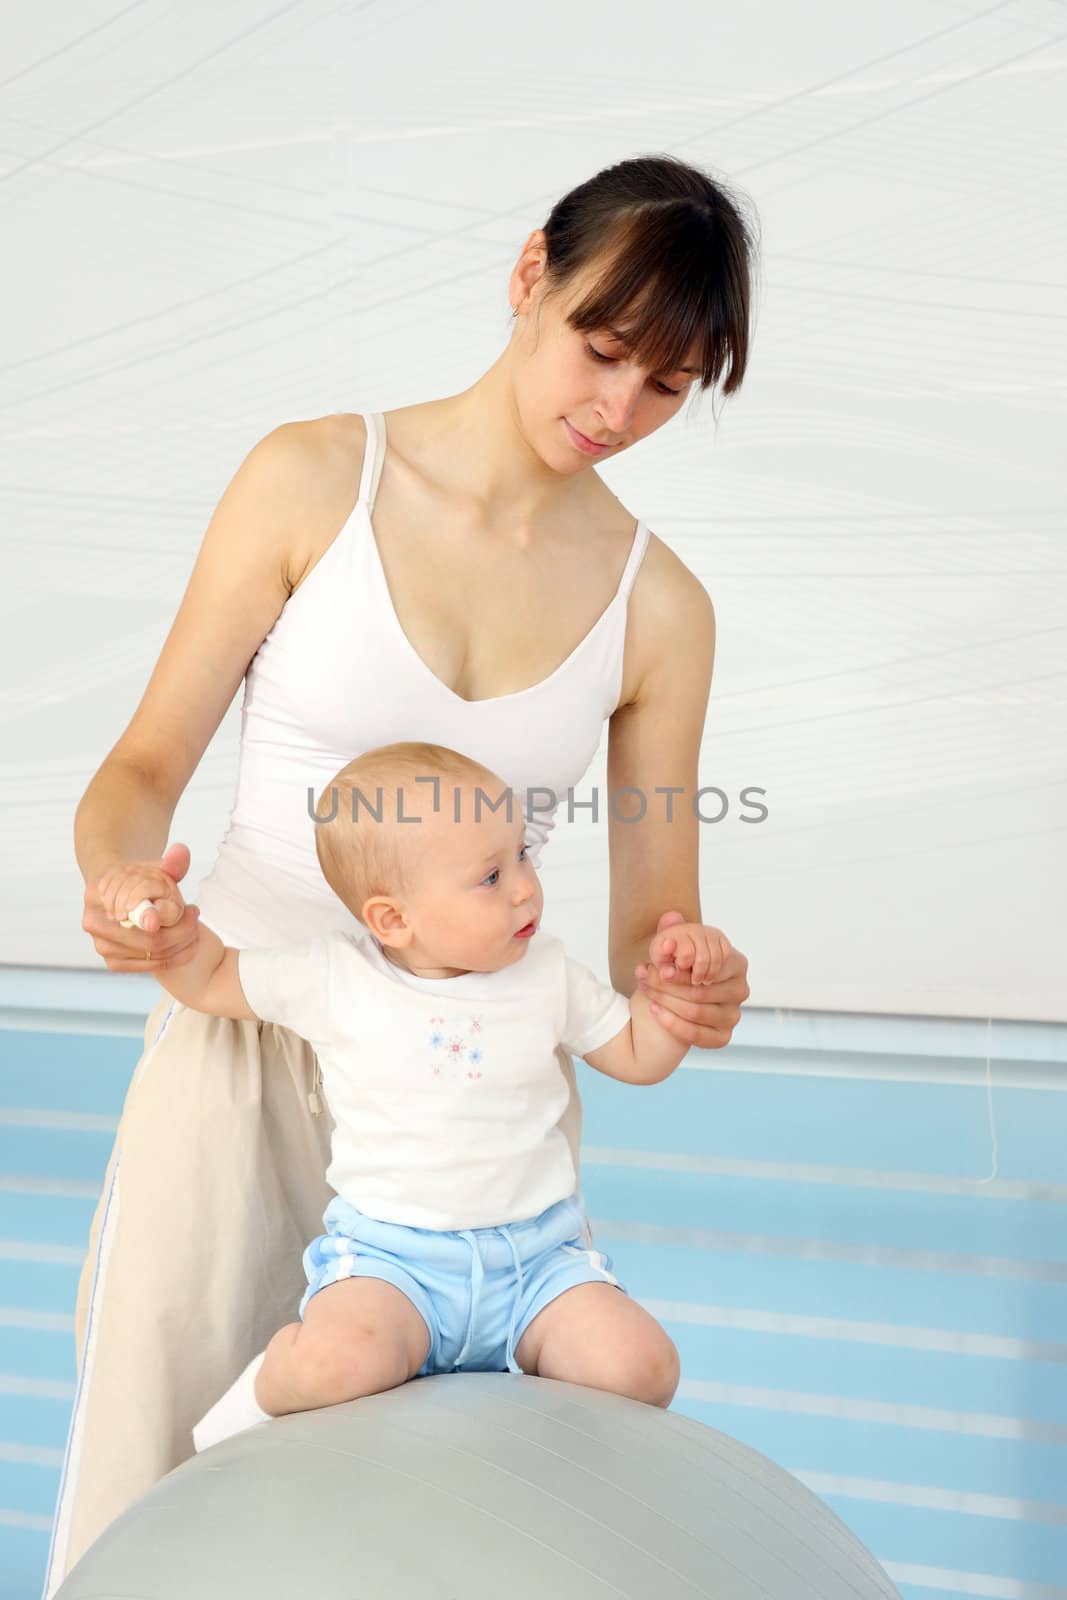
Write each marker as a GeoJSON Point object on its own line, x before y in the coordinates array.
{"type": "Point", "coordinates": [170, 935]}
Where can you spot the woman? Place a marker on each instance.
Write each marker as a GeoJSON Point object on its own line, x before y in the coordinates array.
{"type": "Point", "coordinates": [502, 603]}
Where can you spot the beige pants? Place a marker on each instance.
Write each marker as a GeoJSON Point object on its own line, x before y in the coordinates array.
{"type": "Point", "coordinates": [215, 1185]}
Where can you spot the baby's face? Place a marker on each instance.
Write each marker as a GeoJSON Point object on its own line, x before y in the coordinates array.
{"type": "Point", "coordinates": [476, 888]}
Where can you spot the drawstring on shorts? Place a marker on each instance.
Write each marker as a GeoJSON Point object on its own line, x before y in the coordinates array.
{"type": "Point", "coordinates": [477, 1277]}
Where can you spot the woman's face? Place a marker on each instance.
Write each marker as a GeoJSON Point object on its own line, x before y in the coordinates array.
{"type": "Point", "coordinates": [586, 380]}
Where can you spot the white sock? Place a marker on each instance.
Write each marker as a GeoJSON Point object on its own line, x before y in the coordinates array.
{"type": "Point", "coordinates": [237, 1409]}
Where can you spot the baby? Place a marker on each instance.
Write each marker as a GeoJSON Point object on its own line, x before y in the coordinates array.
{"type": "Point", "coordinates": [457, 1238]}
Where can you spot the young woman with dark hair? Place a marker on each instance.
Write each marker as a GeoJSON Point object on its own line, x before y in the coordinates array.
{"type": "Point", "coordinates": [502, 602]}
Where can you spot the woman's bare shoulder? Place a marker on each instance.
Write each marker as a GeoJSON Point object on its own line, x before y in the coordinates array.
{"type": "Point", "coordinates": [319, 462]}
{"type": "Point", "coordinates": [668, 607]}
{"type": "Point", "coordinates": [666, 591]}
{"type": "Point", "coordinates": [328, 449]}
{"type": "Point", "coordinates": [663, 580]}
{"type": "Point", "coordinates": [336, 431]}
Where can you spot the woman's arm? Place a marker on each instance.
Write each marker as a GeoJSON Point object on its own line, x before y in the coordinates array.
{"type": "Point", "coordinates": [122, 816]}
{"type": "Point", "coordinates": [654, 745]}
{"type": "Point", "coordinates": [281, 503]}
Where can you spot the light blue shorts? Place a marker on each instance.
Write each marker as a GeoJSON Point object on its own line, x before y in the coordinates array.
{"type": "Point", "coordinates": [477, 1289]}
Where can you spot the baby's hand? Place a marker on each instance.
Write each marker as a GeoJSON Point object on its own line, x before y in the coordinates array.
{"type": "Point", "coordinates": [687, 949]}
{"type": "Point", "coordinates": [140, 894]}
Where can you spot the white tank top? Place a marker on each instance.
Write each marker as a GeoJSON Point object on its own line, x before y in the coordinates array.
{"type": "Point", "coordinates": [337, 675]}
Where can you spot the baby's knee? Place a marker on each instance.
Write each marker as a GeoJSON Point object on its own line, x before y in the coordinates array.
{"type": "Point", "coordinates": [664, 1374]}
{"type": "Point", "coordinates": [331, 1371]}
{"type": "Point", "coordinates": [651, 1371]}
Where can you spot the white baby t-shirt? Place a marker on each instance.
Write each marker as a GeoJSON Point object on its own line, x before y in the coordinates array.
{"type": "Point", "coordinates": [446, 1092]}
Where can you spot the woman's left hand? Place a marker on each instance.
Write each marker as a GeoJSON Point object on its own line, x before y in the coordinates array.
{"type": "Point", "coordinates": [698, 980]}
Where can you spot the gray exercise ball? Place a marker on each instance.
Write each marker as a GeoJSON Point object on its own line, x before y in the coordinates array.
{"type": "Point", "coordinates": [489, 1485]}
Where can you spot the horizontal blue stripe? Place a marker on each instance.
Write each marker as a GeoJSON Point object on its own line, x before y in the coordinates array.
{"type": "Point", "coordinates": [38, 1285]}
{"type": "Point", "coordinates": [969, 1463]}
{"type": "Point", "coordinates": [1029, 1552]}
{"type": "Point", "coordinates": [963, 1301]}
{"type": "Point", "coordinates": [46, 1218]}
{"type": "Point", "coordinates": [884, 1126]}
{"type": "Point", "coordinates": [30, 1419]}
{"type": "Point", "coordinates": [55, 1152]}
{"type": "Point", "coordinates": [1034, 1391]}
{"type": "Point", "coordinates": [26, 1486]}
{"type": "Point", "coordinates": [66, 1071]}
{"type": "Point", "coordinates": [1026, 1230]}
{"type": "Point", "coordinates": [23, 1552]}
{"type": "Point", "coordinates": [1033, 1551]}
{"type": "Point", "coordinates": [36, 1353]}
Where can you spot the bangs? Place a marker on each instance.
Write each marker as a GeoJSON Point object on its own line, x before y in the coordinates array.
{"type": "Point", "coordinates": [673, 281]}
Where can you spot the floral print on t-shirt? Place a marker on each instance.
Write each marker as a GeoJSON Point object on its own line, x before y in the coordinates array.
{"type": "Point", "coordinates": [456, 1047]}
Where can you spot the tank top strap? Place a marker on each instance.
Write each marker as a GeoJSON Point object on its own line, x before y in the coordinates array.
{"type": "Point", "coordinates": [637, 550]}
{"type": "Point", "coordinates": [373, 456]}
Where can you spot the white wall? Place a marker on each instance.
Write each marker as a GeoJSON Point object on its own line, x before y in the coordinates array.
{"type": "Point", "coordinates": [217, 217]}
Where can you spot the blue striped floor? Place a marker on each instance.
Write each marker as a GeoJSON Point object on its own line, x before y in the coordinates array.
{"type": "Point", "coordinates": [806, 1213]}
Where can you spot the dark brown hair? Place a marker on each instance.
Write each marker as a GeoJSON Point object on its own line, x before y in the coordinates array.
{"type": "Point", "coordinates": [677, 258]}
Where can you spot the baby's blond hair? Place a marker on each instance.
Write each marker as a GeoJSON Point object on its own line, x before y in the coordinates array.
{"type": "Point", "coordinates": [362, 855]}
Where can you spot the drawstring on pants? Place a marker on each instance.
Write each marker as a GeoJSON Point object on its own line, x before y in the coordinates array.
{"type": "Point", "coordinates": [314, 1102]}
{"type": "Point", "coordinates": [477, 1277]}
